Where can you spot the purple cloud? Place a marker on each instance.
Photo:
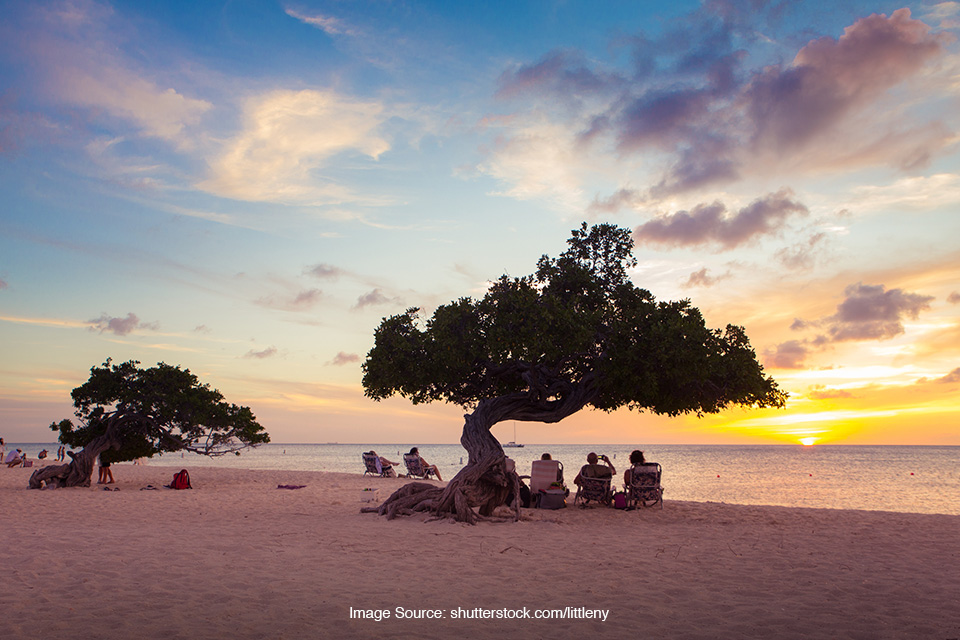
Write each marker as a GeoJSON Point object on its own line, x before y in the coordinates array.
{"type": "Point", "coordinates": [954, 297]}
{"type": "Point", "coordinates": [616, 201]}
{"type": "Point", "coordinates": [560, 73]}
{"type": "Point", "coordinates": [710, 224]}
{"type": "Point", "coordinates": [702, 278]}
{"type": "Point", "coordinates": [689, 98]}
{"type": "Point", "coordinates": [269, 352]}
{"type": "Point", "coordinates": [3, 284]}
{"type": "Point", "coordinates": [345, 358]}
{"type": "Point", "coordinates": [303, 301]}
{"type": "Point", "coordinates": [950, 378]}
{"type": "Point", "coordinates": [801, 255]}
{"type": "Point", "coordinates": [787, 355]}
{"type": "Point", "coordinates": [324, 271]}
{"type": "Point", "coordinates": [830, 77]}
{"type": "Point", "coordinates": [120, 326]}
{"type": "Point", "coordinates": [870, 312]}
{"type": "Point", "coordinates": [374, 298]}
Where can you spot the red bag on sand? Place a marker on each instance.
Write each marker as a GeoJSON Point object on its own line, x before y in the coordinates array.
{"type": "Point", "coordinates": [181, 480]}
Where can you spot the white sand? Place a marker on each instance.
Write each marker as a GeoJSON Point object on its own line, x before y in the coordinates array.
{"type": "Point", "coordinates": [238, 558]}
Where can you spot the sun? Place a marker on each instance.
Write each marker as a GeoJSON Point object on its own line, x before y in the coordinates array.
{"type": "Point", "coordinates": [809, 441]}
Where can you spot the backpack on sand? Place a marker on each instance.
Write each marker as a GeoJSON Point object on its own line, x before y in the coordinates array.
{"type": "Point", "coordinates": [181, 480]}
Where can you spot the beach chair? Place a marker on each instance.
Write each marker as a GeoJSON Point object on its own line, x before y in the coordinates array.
{"type": "Point", "coordinates": [371, 462]}
{"type": "Point", "coordinates": [415, 468]}
{"type": "Point", "coordinates": [596, 489]}
{"type": "Point", "coordinates": [645, 489]}
{"type": "Point", "coordinates": [543, 475]}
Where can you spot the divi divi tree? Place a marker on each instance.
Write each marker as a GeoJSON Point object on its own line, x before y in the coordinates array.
{"type": "Point", "coordinates": [126, 412]}
{"type": "Point", "coordinates": [577, 333]}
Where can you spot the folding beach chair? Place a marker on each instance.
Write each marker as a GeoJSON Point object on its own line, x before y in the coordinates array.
{"type": "Point", "coordinates": [596, 489]}
{"type": "Point", "coordinates": [544, 474]}
{"type": "Point", "coordinates": [372, 463]}
{"type": "Point", "coordinates": [415, 468]}
{"type": "Point", "coordinates": [645, 489]}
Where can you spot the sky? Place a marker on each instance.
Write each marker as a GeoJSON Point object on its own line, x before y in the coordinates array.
{"type": "Point", "coordinates": [246, 188]}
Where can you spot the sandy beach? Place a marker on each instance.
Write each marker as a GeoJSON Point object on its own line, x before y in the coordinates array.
{"type": "Point", "coordinates": [237, 557]}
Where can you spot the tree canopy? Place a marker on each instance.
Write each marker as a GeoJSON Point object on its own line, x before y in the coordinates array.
{"type": "Point", "coordinates": [165, 408]}
{"type": "Point", "coordinates": [575, 333]}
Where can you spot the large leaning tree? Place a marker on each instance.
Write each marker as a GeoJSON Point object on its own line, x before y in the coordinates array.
{"type": "Point", "coordinates": [577, 333]}
{"type": "Point", "coordinates": [126, 412]}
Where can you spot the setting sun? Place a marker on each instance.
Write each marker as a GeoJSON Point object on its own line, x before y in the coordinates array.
{"type": "Point", "coordinates": [808, 441]}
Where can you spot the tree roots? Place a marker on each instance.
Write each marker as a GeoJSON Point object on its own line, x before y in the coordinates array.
{"type": "Point", "coordinates": [484, 485]}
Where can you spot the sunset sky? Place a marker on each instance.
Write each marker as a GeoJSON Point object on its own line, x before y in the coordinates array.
{"type": "Point", "coordinates": [245, 188]}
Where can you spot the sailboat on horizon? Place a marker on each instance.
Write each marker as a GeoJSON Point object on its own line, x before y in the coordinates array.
{"type": "Point", "coordinates": [513, 443]}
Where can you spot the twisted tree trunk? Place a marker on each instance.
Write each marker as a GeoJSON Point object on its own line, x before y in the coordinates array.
{"type": "Point", "coordinates": [78, 472]}
{"type": "Point", "coordinates": [485, 482]}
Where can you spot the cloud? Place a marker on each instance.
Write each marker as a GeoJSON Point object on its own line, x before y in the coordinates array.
{"type": "Point", "coordinates": [954, 297]}
{"type": "Point", "coordinates": [374, 298]}
{"type": "Point", "coordinates": [950, 378]}
{"type": "Point", "coordinates": [562, 73]}
{"type": "Point", "coordinates": [622, 198]}
{"type": "Point", "coordinates": [801, 255]}
{"type": "Point", "coordinates": [541, 161]}
{"type": "Point", "coordinates": [870, 312]}
{"type": "Point", "coordinates": [787, 355]}
{"type": "Point", "coordinates": [202, 328]}
{"type": "Point", "coordinates": [345, 358]}
{"type": "Point", "coordinates": [830, 78]}
{"type": "Point", "coordinates": [3, 284]}
{"type": "Point", "coordinates": [269, 352]}
{"type": "Point", "coordinates": [81, 66]}
{"type": "Point", "coordinates": [287, 138]}
{"type": "Point", "coordinates": [702, 278]}
{"type": "Point", "coordinates": [690, 113]}
{"type": "Point", "coordinates": [329, 25]}
{"type": "Point", "coordinates": [324, 271]}
{"type": "Point", "coordinates": [710, 223]}
{"type": "Point", "coordinates": [819, 392]}
{"type": "Point", "coordinates": [302, 301]}
{"type": "Point", "coordinates": [120, 326]}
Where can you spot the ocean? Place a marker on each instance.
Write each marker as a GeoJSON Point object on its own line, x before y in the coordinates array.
{"type": "Point", "coordinates": [911, 479]}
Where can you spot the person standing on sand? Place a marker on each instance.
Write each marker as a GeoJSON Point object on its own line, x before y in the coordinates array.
{"type": "Point", "coordinates": [3, 449]}
{"type": "Point", "coordinates": [105, 473]}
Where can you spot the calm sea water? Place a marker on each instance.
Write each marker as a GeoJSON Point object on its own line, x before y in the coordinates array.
{"type": "Point", "coordinates": [913, 479]}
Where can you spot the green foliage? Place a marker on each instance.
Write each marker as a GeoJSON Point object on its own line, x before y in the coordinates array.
{"type": "Point", "coordinates": [578, 321]}
{"type": "Point", "coordinates": [176, 412]}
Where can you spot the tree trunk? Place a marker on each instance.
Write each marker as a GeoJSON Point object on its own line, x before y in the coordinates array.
{"type": "Point", "coordinates": [485, 482]}
{"type": "Point", "coordinates": [78, 472]}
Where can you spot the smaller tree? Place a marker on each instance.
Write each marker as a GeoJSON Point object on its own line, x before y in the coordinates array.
{"type": "Point", "coordinates": [126, 412]}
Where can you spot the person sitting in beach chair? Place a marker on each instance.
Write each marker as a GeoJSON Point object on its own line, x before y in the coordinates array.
{"type": "Point", "coordinates": [546, 474]}
{"type": "Point", "coordinates": [641, 482]}
{"type": "Point", "coordinates": [594, 480]}
{"type": "Point", "coordinates": [417, 467]}
{"type": "Point", "coordinates": [378, 465]}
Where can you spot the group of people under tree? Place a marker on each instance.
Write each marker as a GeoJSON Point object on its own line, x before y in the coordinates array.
{"type": "Point", "coordinates": [605, 471]}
